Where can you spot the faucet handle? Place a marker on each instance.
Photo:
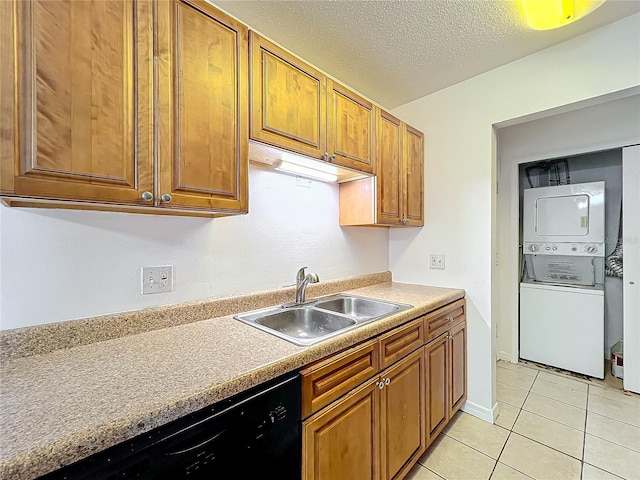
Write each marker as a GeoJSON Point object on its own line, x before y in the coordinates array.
{"type": "Point", "coordinates": [300, 275]}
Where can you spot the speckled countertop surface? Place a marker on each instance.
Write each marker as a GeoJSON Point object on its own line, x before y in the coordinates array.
{"type": "Point", "coordinates": [62, 406]}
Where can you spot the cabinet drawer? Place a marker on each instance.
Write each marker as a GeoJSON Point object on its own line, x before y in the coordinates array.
{"type": "Point", "coordinates": [400, 342]}
{"type": "Point", "coordinates": [441, 320]}
{"type": "Point", "coordinates": [329, 379]}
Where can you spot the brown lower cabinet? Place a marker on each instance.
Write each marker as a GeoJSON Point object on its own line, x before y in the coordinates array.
{"type": "Point", "coordinates": [340, 442]}
{"type": "Point", "coordinates": [446, 366]}
{"type": "Point", "coordinates": [381, 427]}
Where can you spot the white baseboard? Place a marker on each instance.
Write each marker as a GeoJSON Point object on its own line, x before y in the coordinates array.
{"type": "Point", "coordinates": [506, 356]}
{"type": "Point", "coordinates": [483, 413]}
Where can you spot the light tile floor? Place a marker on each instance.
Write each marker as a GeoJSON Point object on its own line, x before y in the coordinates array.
{"type": "Point", "coordinates": [550, 426]}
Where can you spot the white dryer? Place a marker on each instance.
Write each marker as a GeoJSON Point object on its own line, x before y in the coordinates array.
{"type": "Point", "coordinates": [567, 217]}
{"type": "Point", "coordinates": [562, 294]}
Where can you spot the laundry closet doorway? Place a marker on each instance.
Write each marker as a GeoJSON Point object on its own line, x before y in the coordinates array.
{"type": "Point", "coordinates": [603, 132]}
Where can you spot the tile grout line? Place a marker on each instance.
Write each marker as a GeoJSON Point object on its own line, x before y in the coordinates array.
{"type": "Point", "coordinates": [606, 471]}
{"type": "Point", "coordinates": [436, 474]}
{"type": "Point", "coordinates": [557, 384]}
{"type": "Point", "coordinates": [584, 437]}
{"type": "Point", "coordinates": [540, 443]}
{"type": "Point", "coordinates": [511, 431]}
{"type": "Point", "coordinates": [616, 419]}
{"type": "Point", "coordinates": [582, 459]}
{"type": "Point", "coordinates": [469, 446]}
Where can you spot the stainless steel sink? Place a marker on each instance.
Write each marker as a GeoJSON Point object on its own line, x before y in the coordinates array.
{"type": "Point", "coordinates": [321, 318]}
{"type": "Point", "coordinates": [358, 307]}
{"type": "Point", "coordinates": [304, 322]}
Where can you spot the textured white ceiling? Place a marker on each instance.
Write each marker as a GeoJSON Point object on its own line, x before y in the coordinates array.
{"type": "Point", "coordinates": [397, 51]}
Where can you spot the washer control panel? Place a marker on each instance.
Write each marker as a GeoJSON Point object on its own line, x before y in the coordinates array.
{"type": "Point", "coordinates": [571, 249]}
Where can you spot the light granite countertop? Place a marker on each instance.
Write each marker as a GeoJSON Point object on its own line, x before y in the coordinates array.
{"type": "Point", "coordinates": [59, 407]}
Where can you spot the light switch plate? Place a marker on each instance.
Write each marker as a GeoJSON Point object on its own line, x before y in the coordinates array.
{"type": "Point", "coordinates": [436, 261]}
{"type": "Point", "coordinates": [157, 279]}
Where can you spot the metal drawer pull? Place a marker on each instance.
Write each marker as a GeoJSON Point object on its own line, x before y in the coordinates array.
{"type": "Point", "coordinates": [147, 196]}
{"type": "Point", "coordinates": [381, 384]}
{"type": "Point", "coordinates": [166, 197]}
{"type": "Point", "coordinates": [387, 381]}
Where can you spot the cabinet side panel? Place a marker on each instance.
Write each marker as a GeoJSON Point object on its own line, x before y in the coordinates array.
{"type": "Point", "coordinates": [357, 202]}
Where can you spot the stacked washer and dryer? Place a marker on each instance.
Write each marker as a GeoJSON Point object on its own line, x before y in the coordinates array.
{"type": "Point", "coordinates": [562, 286]}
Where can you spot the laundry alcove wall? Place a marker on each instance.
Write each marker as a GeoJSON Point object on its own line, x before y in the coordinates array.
{"type": "Point", "coordinates": [607, 123]}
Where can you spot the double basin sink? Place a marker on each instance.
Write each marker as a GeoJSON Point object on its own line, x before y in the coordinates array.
{"type": "Point", "coordinates": [321, 318]}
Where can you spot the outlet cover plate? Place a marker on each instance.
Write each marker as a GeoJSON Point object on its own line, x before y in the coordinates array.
{"type": "Point", "coordinates": [157, 279]}
{"type": "Point", "coordinates": [436, 261]}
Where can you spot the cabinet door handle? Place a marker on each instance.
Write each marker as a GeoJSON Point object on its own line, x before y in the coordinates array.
{"type": "Point", "coordinates": [147, 196]}
{"type": "Point", "coordinates": [332, 157]}
{"type": "Point", "coordinates": [325, 155]}
{"type": "Point", "coordinates": [381, 384]}
{"type": "Point", "coordinates": [387, 381]}
{"type": "Point", "coordinates": [165, 197]}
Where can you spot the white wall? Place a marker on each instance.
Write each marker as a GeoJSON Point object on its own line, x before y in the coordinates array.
{"type": "Point", "coordinates": [64, 264]}
{"type": "Point", "coordinates": [460, 169]}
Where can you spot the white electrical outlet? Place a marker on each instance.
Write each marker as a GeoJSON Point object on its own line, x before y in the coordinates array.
{"type": "Point", "coordinates": [157, 279]}
{"type": "Point", "coordinates": [436, 261]}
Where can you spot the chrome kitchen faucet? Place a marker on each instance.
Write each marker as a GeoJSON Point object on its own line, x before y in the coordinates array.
{"type": "Point", "coordinates": [302, 281]}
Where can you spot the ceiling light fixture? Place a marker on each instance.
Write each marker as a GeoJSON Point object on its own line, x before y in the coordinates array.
{"type": "Point", "coordinates": [305, 171]}
{"type": "Point", "coordinates": [548, 14]}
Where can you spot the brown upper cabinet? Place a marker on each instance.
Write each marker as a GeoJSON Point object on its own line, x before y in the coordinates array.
{"type": "Point", "coordinates": [77, 107]}
{"type": "Point", "coordinates": [296, 108]}
{"type": "Point", "coordinates": [79, 114]}
{"type": "Point", "coordinates": [395, 196]}
{"type": "Point", "coordinates": [351, 132]}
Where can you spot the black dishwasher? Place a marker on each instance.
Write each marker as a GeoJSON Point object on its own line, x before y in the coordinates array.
{"type": "Point", "coordinates": [255, 434]}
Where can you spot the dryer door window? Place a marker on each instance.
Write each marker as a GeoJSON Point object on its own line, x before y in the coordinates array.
{"type": "Point", "coordinates": [562, 216]}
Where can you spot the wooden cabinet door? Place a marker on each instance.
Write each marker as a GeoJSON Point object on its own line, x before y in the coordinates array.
{"type": "Point", "coordinates": [341, 441]}
{"type": "Point", "coordinates": [351, 129]}
{"type": "Point", "coordinates": [389, 170]}
{"type": "Point", "coordinates": [79, 127]}
{"type": "Point", "coordinates": [402, 410]}
{"type": "Point", "coordinates": [288, 107]}
{"type": "Point", "coordinates": [457, 381]}
{"type": "Point", "coordinates": [330, 378]}
{"type": "Point", "coordinates": [203, 108]}
{"type": "Point", "coordinates": [413, 165]}
{"type": "Point", "coordinates": [437, 358]}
